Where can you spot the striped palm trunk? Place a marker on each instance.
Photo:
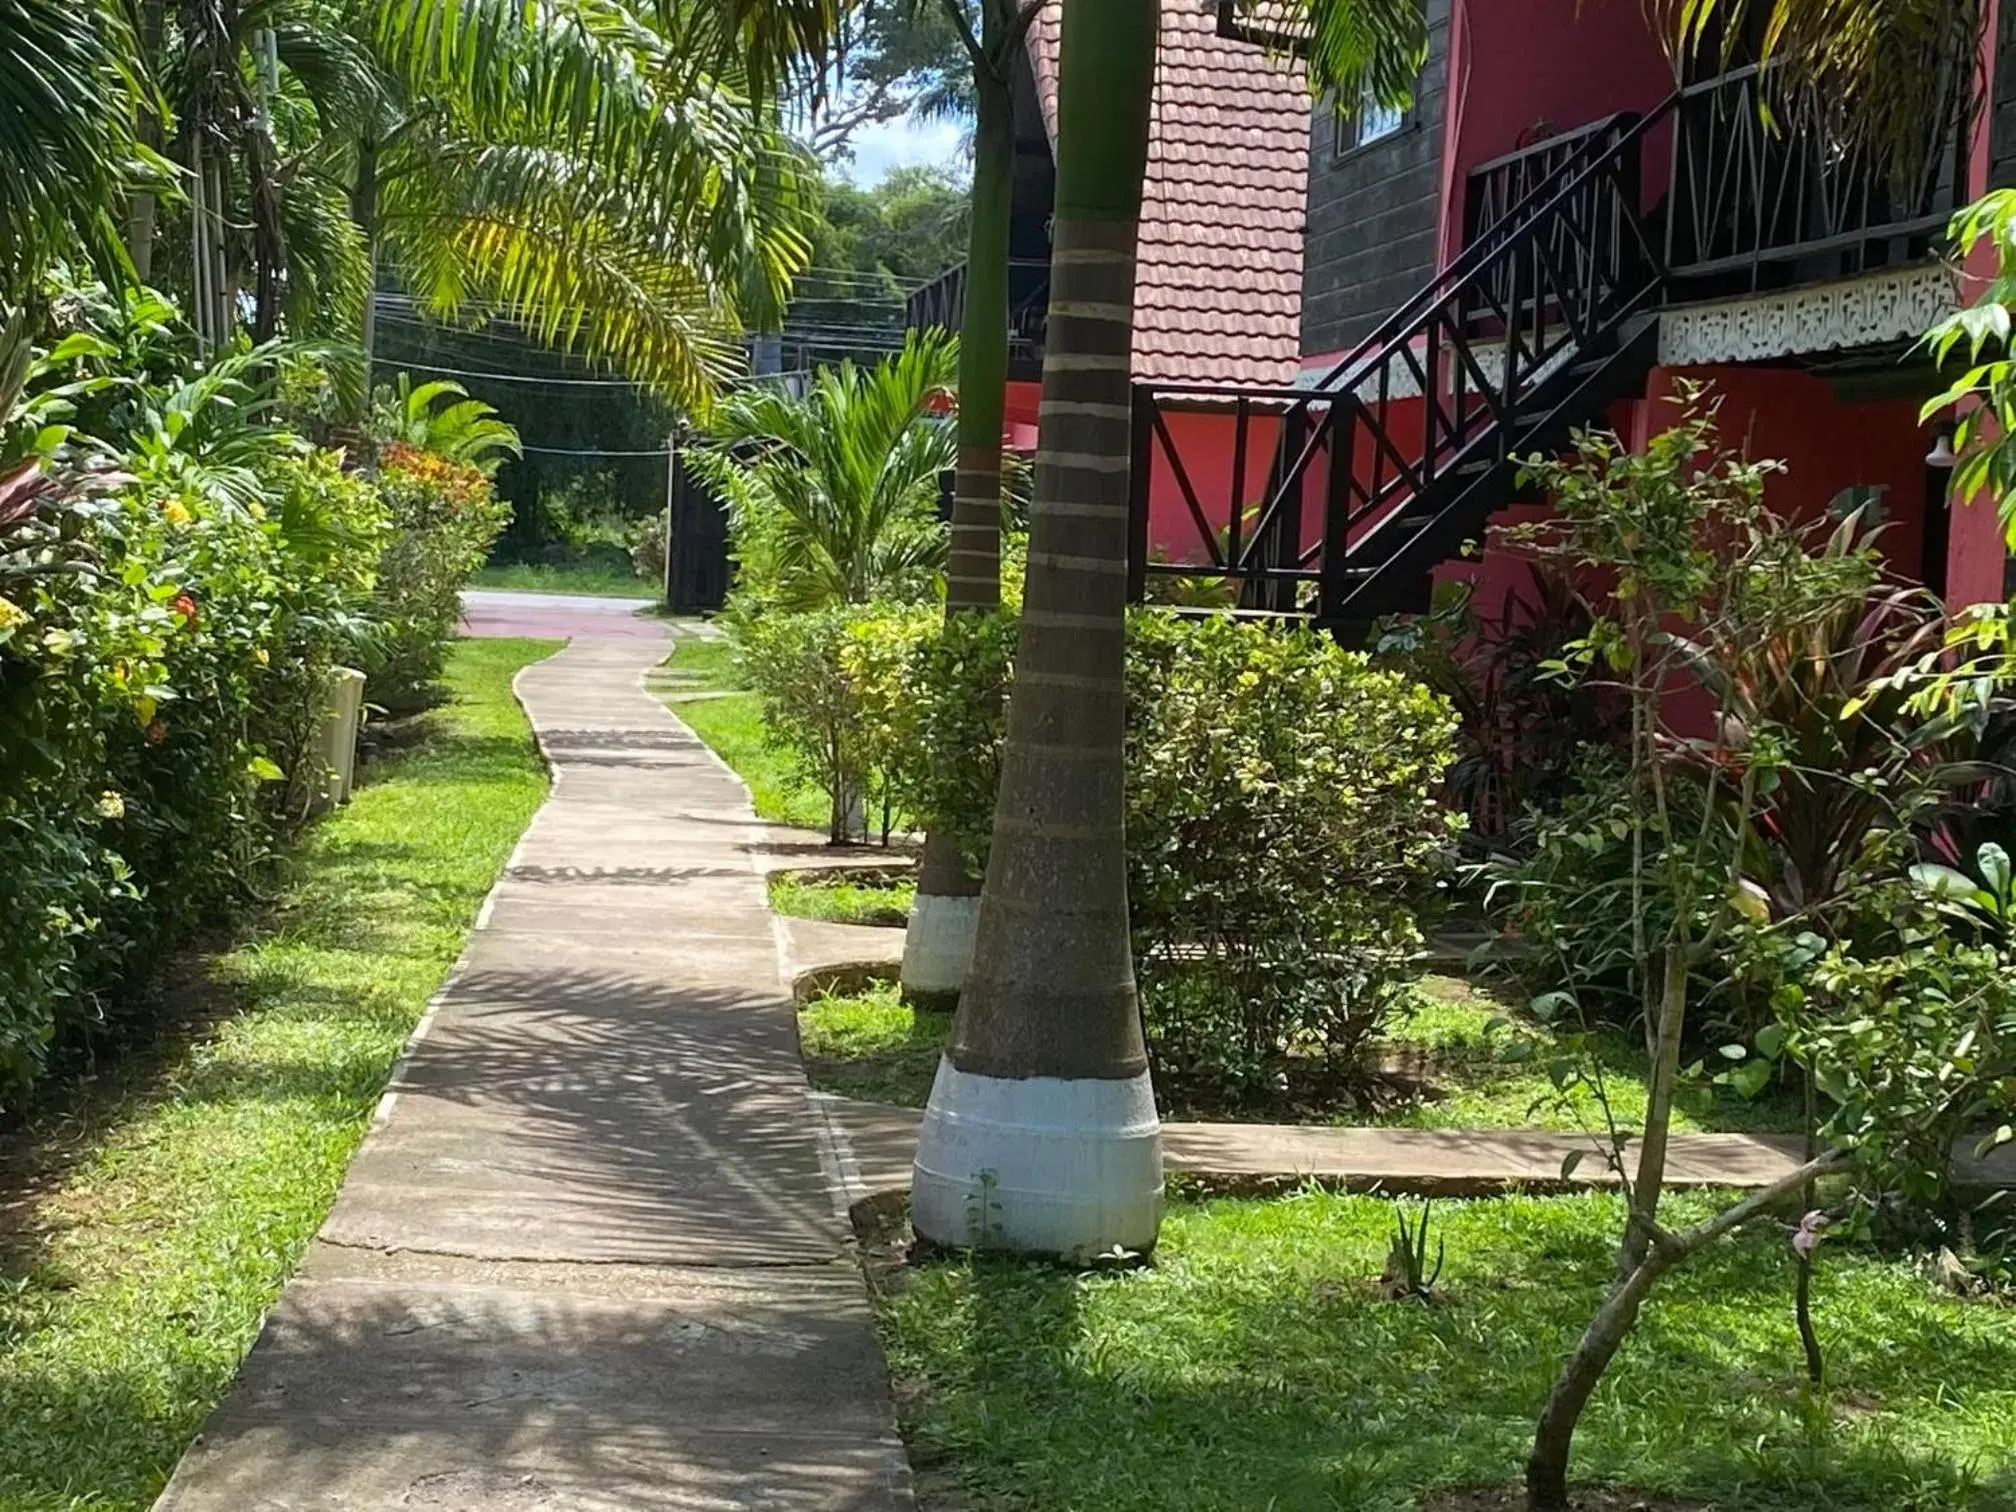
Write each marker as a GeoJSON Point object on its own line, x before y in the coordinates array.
{"type": "Point", "coordinates": [938, 941]}
{"type": "Point", "coordinates": [1041, 1135]}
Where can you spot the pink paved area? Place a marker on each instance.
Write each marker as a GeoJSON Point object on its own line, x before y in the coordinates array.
{"type": "Point", "coordinates": [489, 613]}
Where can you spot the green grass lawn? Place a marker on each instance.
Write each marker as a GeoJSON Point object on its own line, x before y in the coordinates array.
{"type": "Point", "coordinates": [175, 1194]}
{"type": "Point", "coordinates": [730, 719]}
{"type": "Point", "coordinates": [881, 901]}
{"type": "Point", "coordinates": [868, 1044]}
{"type": "Point", "coordinates": [871, 1046]}
{"type": "Point", "coordinates": [1254, 1367]}
{"type": "Point", "coordinates": [1481, 1087]}
{"type": "Point", "coordinates": [593, 579]}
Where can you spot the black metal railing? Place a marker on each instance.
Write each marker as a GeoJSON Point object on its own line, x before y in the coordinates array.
{"type": "Point", "coordinates": [942, 303]}
{"type": "Point", "coordinates": [1769, 186]}
{"type": "Point", "coordinates": [1490, 348]}
{"type": "Point", "coordinates": [1497, 191]}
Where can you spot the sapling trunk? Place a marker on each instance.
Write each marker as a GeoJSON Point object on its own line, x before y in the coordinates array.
{"type": "Point", "coordinates": [1553, 1439]}
{"type": "Point", "coordinates": [1650, 1181]}
{"type": "Point", "coordinates": [1802, 1307]}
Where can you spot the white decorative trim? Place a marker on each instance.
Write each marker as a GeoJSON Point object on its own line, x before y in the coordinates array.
{"type": "Point", "coordinates": [1894, 305]}
{"type": "Point", "coordinates": [938, 944]}
{"type": "Point", "coordinates": [1039, 1164]}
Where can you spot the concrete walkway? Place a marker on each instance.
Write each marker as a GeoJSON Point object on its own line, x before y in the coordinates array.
{"type": "Point", "coordinates": [1400, 1162]}
{"type": "Point", "coordinates": [591, 1256]}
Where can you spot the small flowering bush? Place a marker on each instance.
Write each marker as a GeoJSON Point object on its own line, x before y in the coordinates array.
{"type": "Point", "coordinates": [444, 517]}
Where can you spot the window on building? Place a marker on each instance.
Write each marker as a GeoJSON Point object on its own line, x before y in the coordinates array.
{"type": "Point", "coordinates": [1369, 122]}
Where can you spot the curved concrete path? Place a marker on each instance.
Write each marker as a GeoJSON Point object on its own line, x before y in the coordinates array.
{"type": "Point", "coordinates": [592, 1255]}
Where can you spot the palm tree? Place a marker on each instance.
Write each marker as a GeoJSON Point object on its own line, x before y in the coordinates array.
{"type": "Point", "coordinates": [938, 940]}
{"type": "Point", "coordinates": [70, 90]}
{"type": "Point", "coordinates": [1041, 1133]}
{"type": "Point", "coordinates": [614, 179]}
{"type": "Point", "coordinates": [833, 497]}
{"type": "Point", "coordinates": [622, 189]}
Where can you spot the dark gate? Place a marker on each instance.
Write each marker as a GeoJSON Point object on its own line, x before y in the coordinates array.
{"type": "Point", "coordinates": [697, 569]}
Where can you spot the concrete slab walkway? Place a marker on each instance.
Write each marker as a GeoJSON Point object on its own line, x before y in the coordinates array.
{"type": "Point", "coordinates": [590, 1256]}
{"type": "Point", "coordinates": [1400, 1162]}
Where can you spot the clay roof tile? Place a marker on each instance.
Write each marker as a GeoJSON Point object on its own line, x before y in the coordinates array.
{"type": "Point", "coordinates": [1218, 289]}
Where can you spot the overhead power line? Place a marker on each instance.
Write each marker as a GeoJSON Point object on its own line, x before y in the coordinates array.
{"type": "Point", "coordinates": [564, 451]}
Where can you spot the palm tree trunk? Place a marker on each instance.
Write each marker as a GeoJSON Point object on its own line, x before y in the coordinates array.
{"type": "Point", "coordinates": [364, 211]}
{"type": "Point", "coordinates": [142, 207]}
{"type": "Point", "coordinates": [1041, 1135]}
{"type": "Point", "coordinates": [938, 940]}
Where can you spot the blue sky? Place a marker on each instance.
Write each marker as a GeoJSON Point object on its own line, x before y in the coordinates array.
{"type": "Point", "coordinates": [899, 144]}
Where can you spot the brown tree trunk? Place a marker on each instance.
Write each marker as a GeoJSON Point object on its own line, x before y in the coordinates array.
{"type": "Point", "coordinates": [938, 942]}
{"type": "Point", "coordinates": [1650, 1182]}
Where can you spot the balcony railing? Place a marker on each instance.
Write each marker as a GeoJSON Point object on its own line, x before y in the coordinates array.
{"type": "Point", "coordinates": [1791, 197]}
{"type": "Point", "coordinates": [942, 303]}
{"type": "Point", "coordinates": [1499, 195]}
{"type": "Point", "coordinates": [1755, 199]}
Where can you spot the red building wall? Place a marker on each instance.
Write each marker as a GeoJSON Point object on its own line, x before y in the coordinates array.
{"type": "Point", "coordinates": [1524, 70]}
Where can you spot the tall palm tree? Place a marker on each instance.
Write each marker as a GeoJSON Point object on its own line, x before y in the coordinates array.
{"type": "Point", "coordinates": [1041, 1133]}
{"type": "Point", "coordinates": [938, 940]}
{"type": "Point", "coordinates": [614, 178]}
{"type": "Point", "coordinates": [70, 91]}
{"type": "Point", "coordinates": [833, 497]}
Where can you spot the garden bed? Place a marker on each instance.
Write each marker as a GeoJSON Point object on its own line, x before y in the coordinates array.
{"type": "Point", "coordinates": [1441, 1067]}
{"type": "Point", "coordinates": [845, 895]}
{"type": "Point", "coordinates": [1255, 1365]}
{"type": "Point", "coordinates": [150, 1213]}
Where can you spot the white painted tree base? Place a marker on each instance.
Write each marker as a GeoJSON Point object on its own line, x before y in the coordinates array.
{"type": "Point", "coordinates": [1039, 1165]}
{"type": "Point", "coordinates": [938, 946]}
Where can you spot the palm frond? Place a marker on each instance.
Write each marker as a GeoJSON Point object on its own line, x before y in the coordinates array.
{"type": "Point", "coordinates": [1351, 48]}
{"type": "Point", "coordinates": [1881, 66]}
{"type": "Point", "coordinates": [71, 87]}
{"type": "Point", "coordinates": [601, 287]}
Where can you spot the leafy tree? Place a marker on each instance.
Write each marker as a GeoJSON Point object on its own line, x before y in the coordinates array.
{"type": "Point", "coordinates": [1984, 393]}
{"type": "Point", "coordinates": [1757, 840]}
{"type": "Point", "coordinates": [870, 248]}
{"type": "Point", "coordinates": [833, 497]}
{"type": "Point", "coordinates": [894, 58]}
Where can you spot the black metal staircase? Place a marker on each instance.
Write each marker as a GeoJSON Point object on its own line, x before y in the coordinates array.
{"type": "Point", "coordinates": [1403, 451]}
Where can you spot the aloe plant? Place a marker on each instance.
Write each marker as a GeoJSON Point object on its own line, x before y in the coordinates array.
{"type": "Point", "coordinates": [1408, 1276]}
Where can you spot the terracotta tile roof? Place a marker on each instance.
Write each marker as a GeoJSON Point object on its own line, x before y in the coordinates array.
{"type": "Point", "coordinates": [1218, 297]}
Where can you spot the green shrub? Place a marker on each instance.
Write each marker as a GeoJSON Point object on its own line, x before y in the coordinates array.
{"type": "Point", "coordinates": [1283, 836]}
{"type": "Point", "coordinates": [834, 690]}
{"type": "Point", "coordinates": [444, 517]}
{"type": "Point", "coordinates": [957, 688]}
{"type": "Point", "coordinates": [178, 578]}
{"type": "Point", "coordinates": [157, 708]}
{"type": "Point", "coordinates": [1282, 826]}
